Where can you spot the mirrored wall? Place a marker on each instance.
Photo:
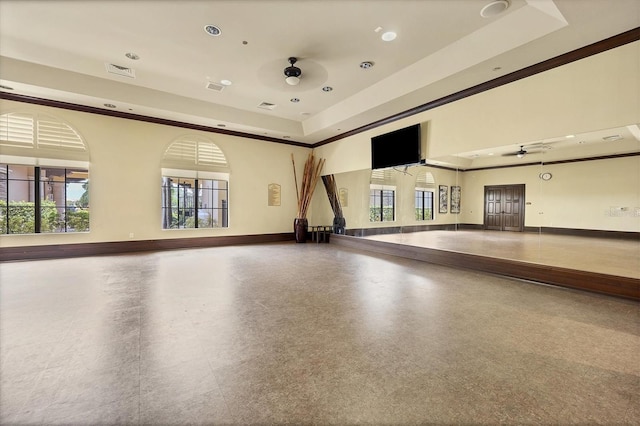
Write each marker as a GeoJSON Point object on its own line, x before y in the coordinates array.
{"type": "Point", "coordinates": [572, 201]}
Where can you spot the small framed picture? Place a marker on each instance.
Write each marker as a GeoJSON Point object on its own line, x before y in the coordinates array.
{"type": "Point", "coordinates": [343, 196]}
{"type": "Point", "coordinates": [443, 192]}
{"type": "Point", "coordinates": [274, 195]}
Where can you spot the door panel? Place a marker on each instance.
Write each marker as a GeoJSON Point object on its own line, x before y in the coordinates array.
{"type": "Point", "coordinates": [504, 207]}
{"type": "Point", "coordinates": [493, 209]}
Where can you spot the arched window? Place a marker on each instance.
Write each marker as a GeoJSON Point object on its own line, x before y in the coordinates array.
{"type": "Point", "coordinates": [44, 176]}
{"type": "Point", "coordinates": [382, 195]}
{"type": "Point", "coordinates": [424, 194]}
{"type": "Point", "coordinates": [195, 185]}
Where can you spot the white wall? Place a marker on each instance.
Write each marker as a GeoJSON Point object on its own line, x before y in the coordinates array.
{"type": "Point", "coordinates": [125, 180]}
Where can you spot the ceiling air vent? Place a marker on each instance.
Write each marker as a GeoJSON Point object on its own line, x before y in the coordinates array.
{"type": "Point", "coordinates": [120, 70]}
{"type": "Point", "coordinates": [267, 105]}
{"type": "Point", "coordinates": [215, 86]}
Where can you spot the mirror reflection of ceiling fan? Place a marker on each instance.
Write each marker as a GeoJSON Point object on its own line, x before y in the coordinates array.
{"type": "Point", "coordinates": [529, 149]}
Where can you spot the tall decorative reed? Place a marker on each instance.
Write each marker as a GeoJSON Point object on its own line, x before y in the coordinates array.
{"type": "Point", "coordinates": [310, 176]}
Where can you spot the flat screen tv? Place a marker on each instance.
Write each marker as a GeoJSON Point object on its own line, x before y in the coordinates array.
{"type": "Point", "coordinates": [397, 148]}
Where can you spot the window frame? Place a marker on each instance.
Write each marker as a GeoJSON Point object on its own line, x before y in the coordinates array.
{"type": "Point", "coordinates": [422, 192]}
{"type": "Point", "coordinates": [35, 187]}
{"type": "Point", "coordinates": [196, 177]}
{"type": "Point", "coordinates": [373, 197]}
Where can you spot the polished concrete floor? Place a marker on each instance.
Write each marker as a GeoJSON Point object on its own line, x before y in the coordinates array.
{"type": "Point", "coordinates": [612, 256]}
{"type": "Point", "coordinates": [306, 333]}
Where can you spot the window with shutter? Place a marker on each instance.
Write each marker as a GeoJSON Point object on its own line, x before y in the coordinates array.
{"type": "Point", "coordinates": [195, 185]}
{"type": "Point", "coordinates": [43, 186]}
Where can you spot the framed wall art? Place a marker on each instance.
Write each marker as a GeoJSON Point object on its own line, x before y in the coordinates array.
{"type": "Point", "coordinates": [443, 192]}
{"type": "Point", "coordinates": [455, 199]}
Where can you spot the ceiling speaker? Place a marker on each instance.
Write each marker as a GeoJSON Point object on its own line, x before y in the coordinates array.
{"type": "Point", "coordinates": [494, 8]}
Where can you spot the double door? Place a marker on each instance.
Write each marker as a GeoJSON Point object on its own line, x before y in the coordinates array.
{"type": "Point", "coordinates": [504, 207]}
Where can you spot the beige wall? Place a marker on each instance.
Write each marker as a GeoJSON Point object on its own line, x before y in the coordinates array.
{"type": "Point", "coordinates": [357, 212]}
{"type": "Point", "coordinates": [584, 195]}
{"type": "Point", "coordinates": [594, 93]}
{"type": "Point", "coordinates": [596, 195]}
{"type": "Point", "coordinates": [125, 176]}
{"type": "Point", "coordinates": [598, 92]}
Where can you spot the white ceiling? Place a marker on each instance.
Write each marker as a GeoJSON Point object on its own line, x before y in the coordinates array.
{"type": "Point", "coordinates": [60, 50]}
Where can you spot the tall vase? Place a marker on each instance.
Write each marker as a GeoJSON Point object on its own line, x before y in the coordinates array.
{"type": "Point", "coordinates": [300, 229]}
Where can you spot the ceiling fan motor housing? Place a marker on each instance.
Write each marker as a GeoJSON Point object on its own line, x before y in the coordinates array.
{"type": "Point", "coordinates": [292, 71]}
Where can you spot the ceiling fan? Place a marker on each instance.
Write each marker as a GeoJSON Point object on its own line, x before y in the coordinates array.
{"type": "Point", "coordinates": [522, 152]}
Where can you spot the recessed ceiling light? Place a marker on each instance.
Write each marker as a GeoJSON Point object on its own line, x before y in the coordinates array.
{"type": "Point", "coordinates": [110, 105]}
{"type": "Point", "coordinates": [497, 68]}
{"type": "Point", "coordinates": [305, 113]}
{"type": "Point", "coordinates": [132, 56]}
{"type": "Point", "coordinates": [327, 88]}
{"type": "Point", "coordinates": [222, 125]}
{"type": "Point", "coordinates": [389, 36]}
{"type": "Point", "coordinates": [491, 153]}
{"type": "Point", "coordinates": [226, 82]}
{"type": "Point", "coordinates": [294, 100]}
{"type": "Point", "coordinates": [366, 65]}
{"type": "Point", "coordinates": [287, 137]}
{"type": "Point", "coordinates": [245, 42]}
{"type": "Point", "coordinates": [570, 136]}
{"type": "Point", "coordinates": [212, 30]}
{"type": "Point", "coordinates": [494, 8]}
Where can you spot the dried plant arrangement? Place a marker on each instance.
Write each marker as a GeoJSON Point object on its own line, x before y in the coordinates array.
{"type": "Point", "coordinates": [310, 176]}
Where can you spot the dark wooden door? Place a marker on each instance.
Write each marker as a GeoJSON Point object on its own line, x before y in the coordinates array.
{"type": "Point", "coordinates": [504, 207]}
{"type": "Point", "coordinates": [493, 208]}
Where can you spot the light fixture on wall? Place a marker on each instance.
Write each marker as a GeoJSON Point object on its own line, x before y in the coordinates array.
{"type": "Point", "coordinates": [292, 73]}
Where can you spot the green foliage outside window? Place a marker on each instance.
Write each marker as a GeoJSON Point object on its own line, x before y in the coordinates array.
{"type": "Point", "coordinates": [83, 201]}
{"type": "Point", "coordinates": [427, 214]}
{"type": "Point", "coordinates": [22, 218]}
{"type": "Point", "coordinates": [78, 220]}
{"type": "Point", "coordinates": [374, 214]}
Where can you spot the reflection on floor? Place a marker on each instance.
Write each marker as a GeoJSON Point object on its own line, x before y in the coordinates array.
{"type": "Point", "coordinates": [306, 334]}
{"type": "Point", "coordinates": [604, 255]}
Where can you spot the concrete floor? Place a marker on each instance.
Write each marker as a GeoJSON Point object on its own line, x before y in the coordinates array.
{"type": "Point", "coordinates": [612, 256]}
{"type": "Point", "coordinates": [306, 333]}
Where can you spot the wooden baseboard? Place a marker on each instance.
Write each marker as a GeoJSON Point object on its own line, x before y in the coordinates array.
{"type": "Point", "coordinates": [118, 247]}
{"type": "Point", "coordinates": [591, 281]}
{"type": "Point", "coordinates": [366, 232]}
{"type": "Point", "coordinates": [593, 233]}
